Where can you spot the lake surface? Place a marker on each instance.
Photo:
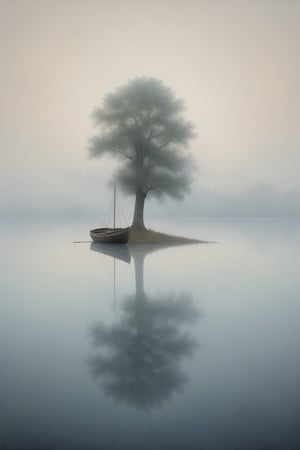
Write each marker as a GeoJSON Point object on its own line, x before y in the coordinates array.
{"type": "Point", "coordinates": [190, 347]}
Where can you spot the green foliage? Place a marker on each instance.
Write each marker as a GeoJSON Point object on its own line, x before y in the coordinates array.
{"type": "Point", "coordinates": [141, 124]}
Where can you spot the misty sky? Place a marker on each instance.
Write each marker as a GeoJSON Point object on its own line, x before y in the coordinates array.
{"type": "Point", "coordinates": [236, 64]}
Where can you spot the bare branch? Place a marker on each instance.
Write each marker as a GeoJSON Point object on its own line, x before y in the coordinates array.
{"type": "Point", "coordinates": [123, 154]}
{"type": "Point", "coordinates": [152, 188]}
{"type": "Point", "coordinates": [163, 145]}
{"type": "Point", "coordinates": [150, 134]}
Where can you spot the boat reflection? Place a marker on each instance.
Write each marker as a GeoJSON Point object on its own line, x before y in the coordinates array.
{"type": "Point", "coordinates": [138, 359]}
{"type": "Point", "coordinates": [120, 252]}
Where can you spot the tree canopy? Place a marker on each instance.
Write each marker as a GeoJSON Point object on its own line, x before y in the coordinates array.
{"type": "Point", "coordinates": [141, 124]}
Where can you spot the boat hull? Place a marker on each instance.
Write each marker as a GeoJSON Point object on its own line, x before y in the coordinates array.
{"type": "Point", "coordinates": [110, 235]}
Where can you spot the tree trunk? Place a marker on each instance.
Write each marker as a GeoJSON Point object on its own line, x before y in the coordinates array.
{"type": "Point", "coordinates": [138, 218]}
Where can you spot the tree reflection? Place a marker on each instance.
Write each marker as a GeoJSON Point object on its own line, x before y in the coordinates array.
{"type": "Point", "coordinates": [137, 359]}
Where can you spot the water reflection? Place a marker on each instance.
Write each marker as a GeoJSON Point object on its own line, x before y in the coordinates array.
{"type": "Point", "coordinates": [138, 359]}
{"type": "Point", "coordinates": [120, 252]}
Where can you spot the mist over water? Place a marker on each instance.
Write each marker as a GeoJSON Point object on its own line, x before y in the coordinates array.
{"type": "Point", "coordinates": [192, 346]}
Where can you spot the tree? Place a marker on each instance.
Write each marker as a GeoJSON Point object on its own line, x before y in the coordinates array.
{"type": "Point", "coordinates": [141, 124]}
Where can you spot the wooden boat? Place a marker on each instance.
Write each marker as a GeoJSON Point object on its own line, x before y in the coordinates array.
{"type": "Point", "coordinates": [111, 235]}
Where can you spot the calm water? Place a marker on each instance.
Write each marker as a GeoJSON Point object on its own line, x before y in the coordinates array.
{"type": "Point", "coordinates": [192, 347]}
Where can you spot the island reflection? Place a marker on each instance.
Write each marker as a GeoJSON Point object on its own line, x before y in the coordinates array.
{"type": "Point", "coordinates": [137, 359]}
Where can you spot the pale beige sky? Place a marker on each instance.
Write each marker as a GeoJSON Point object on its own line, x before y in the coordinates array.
{"type": "Point", "coordinates": [235, 63]}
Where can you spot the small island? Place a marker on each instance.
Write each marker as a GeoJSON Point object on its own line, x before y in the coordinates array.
{"type": "Point", "coordinates": [156, 238]}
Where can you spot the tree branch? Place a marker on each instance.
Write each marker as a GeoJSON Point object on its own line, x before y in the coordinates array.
{"type": "Point", "coordinates": [123, 154]}
{"type": "Point", "coordinates": [162, 146]}
{"type": "Point", "coordinates": [152, 188]}
{"type": "Point", "coordinates": [150, 134]}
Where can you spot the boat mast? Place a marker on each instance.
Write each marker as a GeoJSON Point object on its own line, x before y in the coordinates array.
{"type": "Point", "coordinates": [114, 205]}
